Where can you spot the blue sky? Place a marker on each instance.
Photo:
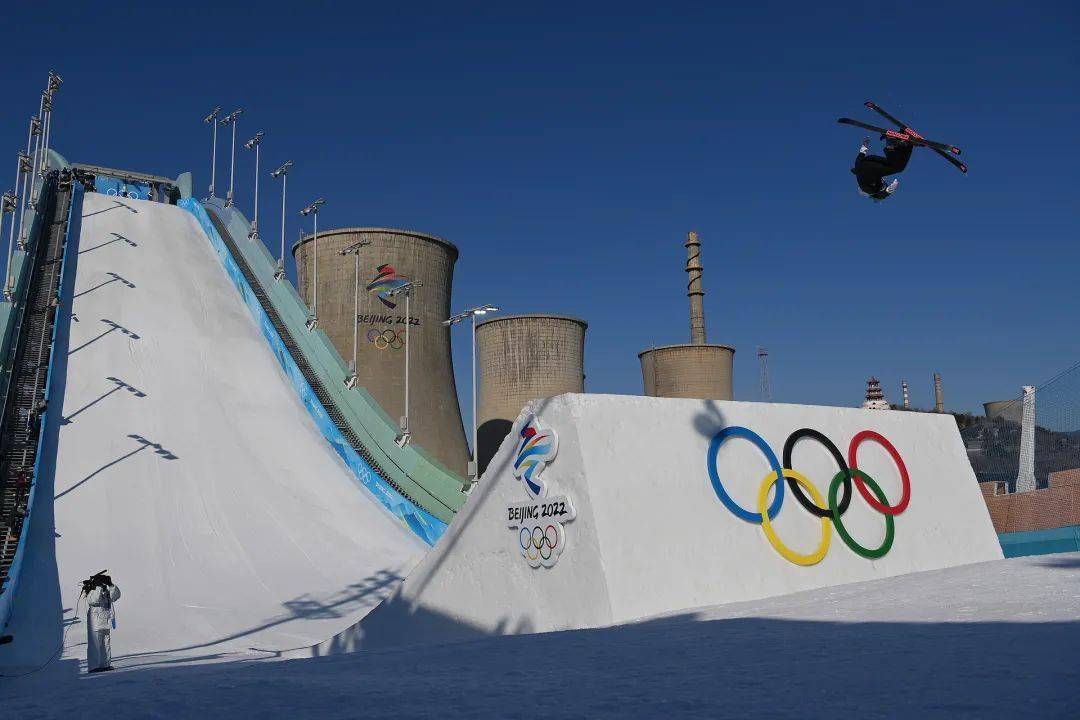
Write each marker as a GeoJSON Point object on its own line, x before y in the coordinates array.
{"type": "Point", "coordinates": [567, 148]}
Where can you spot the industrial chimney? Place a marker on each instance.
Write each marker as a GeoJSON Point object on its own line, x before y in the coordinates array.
{"type": "Point", "coordinates": [939, 397]}
{"type": "Point", "coordinates": [697, 370]}
{"type": "Point", "coordinates": [907, 399]}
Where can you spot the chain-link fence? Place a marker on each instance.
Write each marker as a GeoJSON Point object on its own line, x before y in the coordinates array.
{"type": "Point", "coordinates": [994, 443]}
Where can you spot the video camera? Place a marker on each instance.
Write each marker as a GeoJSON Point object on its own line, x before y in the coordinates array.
{"type": "Point", "coordinates": [97, 580]}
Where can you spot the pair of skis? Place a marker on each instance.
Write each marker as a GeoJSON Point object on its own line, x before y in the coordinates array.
{"type": "Point", "coordinates": [907, 134]}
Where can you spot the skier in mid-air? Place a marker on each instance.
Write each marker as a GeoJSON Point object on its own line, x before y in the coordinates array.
{"type": "Point", "coordinates": [871, 170]}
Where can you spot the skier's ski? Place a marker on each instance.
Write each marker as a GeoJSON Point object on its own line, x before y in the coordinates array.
{"type": "Point", "coordinates": [904, 126]}
{"type": "Point", "coordinates": [905, 137]}
{"type": "Point", "coordinates": [905, 134]}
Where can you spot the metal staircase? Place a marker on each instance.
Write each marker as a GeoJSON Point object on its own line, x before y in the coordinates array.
{"type": "Point", "coordinates": [312, 378]}
{"type": "Point", "coordinates": [21, 426]}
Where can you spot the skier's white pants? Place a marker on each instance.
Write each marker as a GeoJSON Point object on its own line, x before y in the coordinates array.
{"type": "Point", "coordinates": [98, 649]}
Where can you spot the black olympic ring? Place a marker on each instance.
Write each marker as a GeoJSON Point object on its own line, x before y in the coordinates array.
{"type": "Point", "coordinates": [797, 491]}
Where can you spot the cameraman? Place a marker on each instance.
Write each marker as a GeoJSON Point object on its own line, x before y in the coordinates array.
{"type": "Point", "coordinates": [100, 593]}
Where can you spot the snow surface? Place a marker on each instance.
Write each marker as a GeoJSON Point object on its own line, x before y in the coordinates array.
{"type": "Point", "coordinates": [187, 466]}
{"type": "Point", "coordinates": [989, 640]}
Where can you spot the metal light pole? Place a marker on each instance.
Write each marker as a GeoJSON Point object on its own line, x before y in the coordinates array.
{"type": "Point", "coordinates": [254, 143]}
{"type": "Point", "coordinates": [38, 131]}
{"type": "Point", "coordinates": [231, 119]}
{"type": "Point", "coordinates": [46, 119]}
{"type": "Point", "coordinates": [55, 81]}
{"type": "Point", "coordinates": [35, 132]}
{"type": "Point", "coordinates": [28, 178]}
{"type": "Point", "coordinates": [282, 172]}
{"type": "Point", "coordinates": [8, 202]}
{"type": "Point", "coordinates": [354, 249]}
{"type": "Point", "coordinates": [313, 209]}
{"type": "Point", "coordinates": [405, 435]}
{"type": "Point", "coordinates": [211, 119]}
{"type": "Point", "coordinates": [473, 470]}
{"type": "Point", "coordinates": [26, 171]}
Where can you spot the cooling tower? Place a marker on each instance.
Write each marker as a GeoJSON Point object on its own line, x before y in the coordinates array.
{"type": "Point", "coordinates": [523, 357]}
{"type": "Point", "coordinates": [697, 370]}
{"type": "Point", "coordinates": [1011, 410]}
{"type": "Point", "coordinates": [688, 371]}
{"type": "Point", "coordinates": [393, 257]}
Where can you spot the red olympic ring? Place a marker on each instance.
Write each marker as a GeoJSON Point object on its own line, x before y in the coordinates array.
{"type": "Point", "coordinates": [872, 501]}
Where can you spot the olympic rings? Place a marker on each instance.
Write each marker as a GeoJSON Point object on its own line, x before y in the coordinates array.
{"type": "Point", "coordinates": [815, 508]}
{"type": "Point", "coordinates": [734, 507]}
{"type": "Point", "coordinates": [385, 339]}
{"type": "Point", "coordinates": [774, 540]}
{"type": "Point", "coordinates": [860, 478]}
{"type": "Point", "coordinates": [828, 513]}
{"type": "Point", "coordinates": [539, 543]}
{"type": "Point", "coordinates": [882, 505]}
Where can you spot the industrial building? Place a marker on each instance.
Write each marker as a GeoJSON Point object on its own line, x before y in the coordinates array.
{"type": "Point", "coordinates": [697, 370]}
{"type": "Point", "coordinates": [392, 258]}
{"type": "Point", "coordinates": [523, 357]}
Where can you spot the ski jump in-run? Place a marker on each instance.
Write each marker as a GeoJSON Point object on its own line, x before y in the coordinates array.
{"type": "Point", "coordinates": [871, 170]}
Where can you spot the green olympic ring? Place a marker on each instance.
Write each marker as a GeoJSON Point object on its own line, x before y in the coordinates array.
{"type": "Point", "coordinates": [869, 554]}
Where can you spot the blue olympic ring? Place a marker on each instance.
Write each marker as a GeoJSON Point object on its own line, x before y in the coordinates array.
{"type": "Point", "coordinates": [714, 447]}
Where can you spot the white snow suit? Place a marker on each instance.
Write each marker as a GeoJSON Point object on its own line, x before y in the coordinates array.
{"type": "Point", "coordinates": [100, 616]}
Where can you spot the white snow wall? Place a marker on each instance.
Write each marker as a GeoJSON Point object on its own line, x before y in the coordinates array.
{"type": "Point", "coordinates": [186, 464]}
{"type": "Point", "coordinates": [652, 536]}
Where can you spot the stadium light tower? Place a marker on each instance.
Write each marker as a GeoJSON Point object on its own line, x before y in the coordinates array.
{"type": "Point", "coordinates": [54, 83]}
{"type": "Point", "coordinates": [313, 209]}
{"type": "Point", "coordinates": [232, 119]}
{"type": "Point", "coordinates": [465, 314]}
{"type": "Point", "coordinates": [354, 250]}
{"type": "Point", "coordinates": [28, 178]}
{"type": "Point", "coordinates": [282, 172]}
{"type": "Point", "coordinates": [404, 436]}
{"type": "Point", "coordinates": [211, 119]}
{"type": "Point", "coordinates": [9, 201]}
{"type": "Point", "coordinates": [254, 143]}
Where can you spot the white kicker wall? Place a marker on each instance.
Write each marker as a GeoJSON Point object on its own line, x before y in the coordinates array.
{"type": "Point", "coordinates": [652, 537]}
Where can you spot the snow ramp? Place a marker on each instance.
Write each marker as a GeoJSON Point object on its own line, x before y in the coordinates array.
{"type": "Point", "coordinates": [651, 506]}
{"type": "Point", "coordinates": [186, 464]}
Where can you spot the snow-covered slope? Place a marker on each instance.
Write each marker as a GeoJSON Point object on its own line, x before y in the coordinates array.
{"type": "Point", "coordinates": [187, 467]}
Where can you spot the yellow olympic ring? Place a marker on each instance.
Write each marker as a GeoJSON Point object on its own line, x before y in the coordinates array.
{"type": "Point", "coordinates": [384, 341]}
{"type": "Point", "coordinates": [766, 525]}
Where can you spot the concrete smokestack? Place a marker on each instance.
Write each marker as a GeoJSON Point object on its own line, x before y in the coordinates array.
{"type": "Point", "coordinates": [697, 370]}
{"type": "Point", "coordinates": [694, 289]}
{"type": "Point", "coordinates": [904, 388]}
{"type": "Point", "coordinates": [939, 397]}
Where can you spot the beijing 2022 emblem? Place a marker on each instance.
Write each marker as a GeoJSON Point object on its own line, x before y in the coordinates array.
{"type": "Point", "coordinates": [539, 521]}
